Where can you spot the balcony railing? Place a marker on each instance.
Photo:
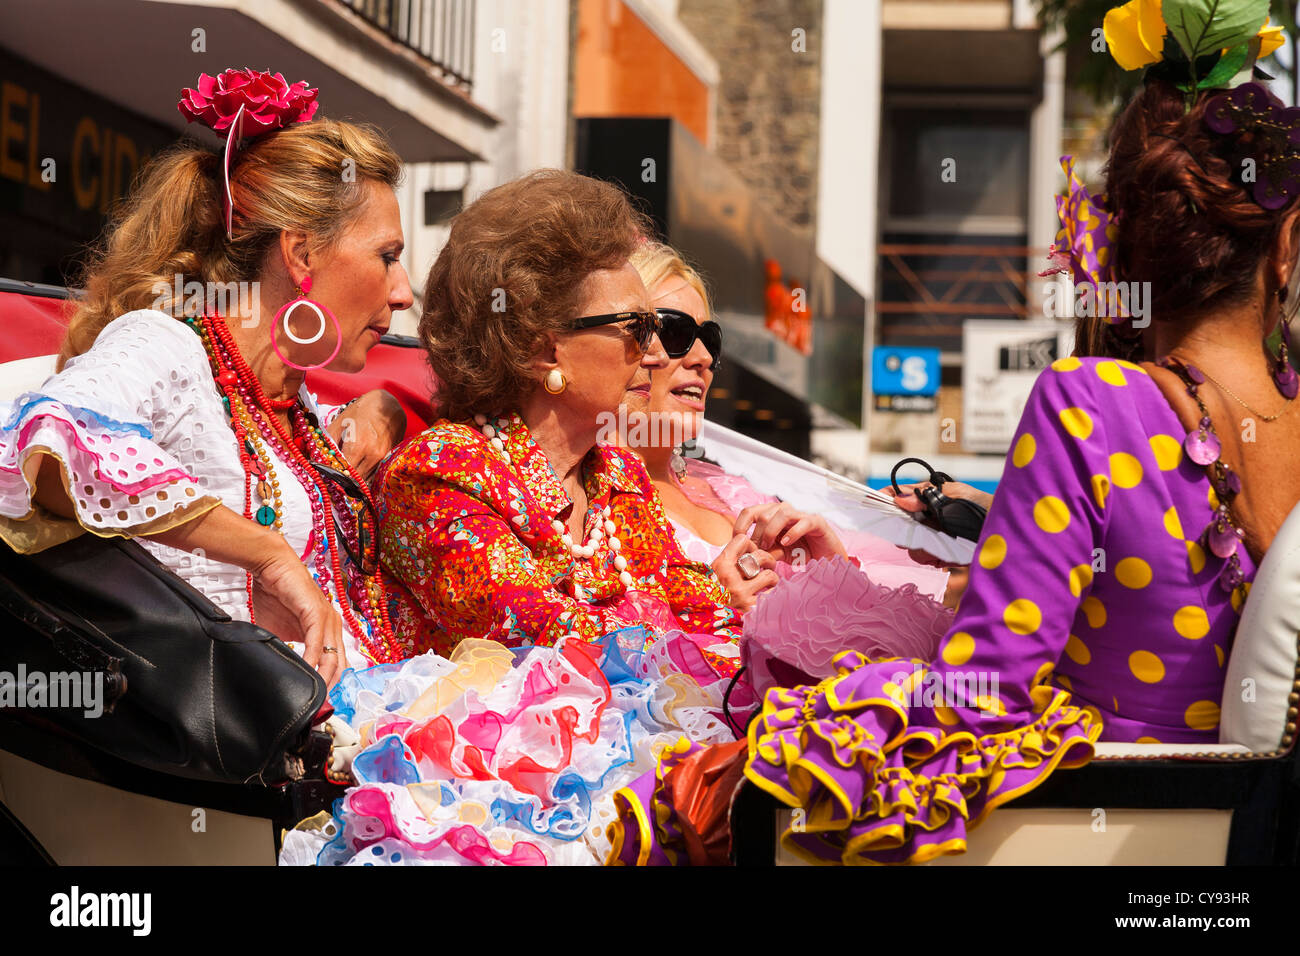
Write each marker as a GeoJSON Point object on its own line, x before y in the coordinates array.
{"type": "Point", "coordinates": [440, 31]}
{"type": "Point", "coordinates": [926, 290]}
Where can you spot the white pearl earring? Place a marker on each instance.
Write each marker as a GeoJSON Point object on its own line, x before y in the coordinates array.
{"type": "Point", "coordinates": [555, 382]}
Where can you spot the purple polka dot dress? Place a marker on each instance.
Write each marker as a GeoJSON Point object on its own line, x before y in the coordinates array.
{"type": "Point", "coordinates": [1093, 612]}
{"type": "Point", "coordinates": [1091, 561]}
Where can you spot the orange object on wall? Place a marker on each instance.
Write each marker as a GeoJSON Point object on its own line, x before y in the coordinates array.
{"type": "Point", "coordinates": [622, 68]}
{"type": "Point", "coordinates": [786, 313]}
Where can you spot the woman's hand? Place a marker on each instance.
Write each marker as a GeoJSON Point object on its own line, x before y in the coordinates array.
{"type": "Point", "coordinates": [909, 500]}
{"type": "Point", "coordinates": [367, 429]}
{"type": "Point", "coordinates": [780, 529]}
{"type": "Point", "coordinates": [288, 603]}
{"type": "Point", "coordinates": [286, 599]}
{"type": "Point", "coordinates": [744, 591]}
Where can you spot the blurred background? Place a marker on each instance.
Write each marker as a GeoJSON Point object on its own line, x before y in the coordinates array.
{"type": "Point", "coordinates": [867, 185]}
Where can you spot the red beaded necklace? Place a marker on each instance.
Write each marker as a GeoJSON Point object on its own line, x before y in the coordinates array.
{"type": "Point", "coordinates": [257, 427]}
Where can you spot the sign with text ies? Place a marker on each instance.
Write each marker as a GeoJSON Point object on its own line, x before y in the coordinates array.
{"type": "Point", "coordinates": [1000, 361]}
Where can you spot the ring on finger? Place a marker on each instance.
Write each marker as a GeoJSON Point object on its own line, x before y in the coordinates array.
{"type": "Point", "coordinates": [331, 650]}
{"type": "Point", "coordinates": [748, 565]}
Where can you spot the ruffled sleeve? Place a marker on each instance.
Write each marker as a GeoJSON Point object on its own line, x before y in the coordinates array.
{"type": "Point", "coordinates": [100, 418]}
{"type": "Point", "coordinates": [894, 760]}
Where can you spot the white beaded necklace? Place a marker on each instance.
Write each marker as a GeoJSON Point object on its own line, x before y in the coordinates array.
{"type": "Point", "coordinates": [604, 527]}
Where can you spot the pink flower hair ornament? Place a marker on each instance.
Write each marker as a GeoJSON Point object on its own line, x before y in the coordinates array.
{"type": "Point", "coordinates": [1083, 243]}
{"type": "Point", "coordinates": [245, 104]}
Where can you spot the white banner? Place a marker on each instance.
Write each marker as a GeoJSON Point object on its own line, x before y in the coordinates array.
{"type": "Point", "coordinates": [1000, 361]}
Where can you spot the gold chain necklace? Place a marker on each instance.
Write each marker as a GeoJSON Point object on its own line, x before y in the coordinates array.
{"type": "Point", "coordinates": [1233, 396]}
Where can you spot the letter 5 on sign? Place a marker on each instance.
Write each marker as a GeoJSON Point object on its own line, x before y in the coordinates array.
{"type": "Point", "coordinates": [901, 371]}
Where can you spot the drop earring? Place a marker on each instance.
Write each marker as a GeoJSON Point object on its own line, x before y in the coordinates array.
{"type": "Point", "coordinates": [1284, 376]}
{"type": "Point", "coordinates": [678, 463]}
{"type": "Point", "coordinates": [322, 314]}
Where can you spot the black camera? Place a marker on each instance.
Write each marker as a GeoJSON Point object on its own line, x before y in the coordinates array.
{"type": "Point", "coordinates": [955, 516]}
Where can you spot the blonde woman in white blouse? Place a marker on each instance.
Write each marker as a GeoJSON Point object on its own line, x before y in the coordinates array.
{"type": "Point", "coordinates": [173, 429]}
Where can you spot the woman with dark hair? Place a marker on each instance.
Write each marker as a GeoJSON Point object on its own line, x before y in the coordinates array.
{"type": "Point", "coordinates": [184, 420]}
{"type": "Point", "coordinates": [1135, 506]}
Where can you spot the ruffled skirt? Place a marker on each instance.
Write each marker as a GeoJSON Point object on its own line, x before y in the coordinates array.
{"type": "Point", "coordinates": [506, 757]}
{"type": "Point", "coordinates": [874, 774]}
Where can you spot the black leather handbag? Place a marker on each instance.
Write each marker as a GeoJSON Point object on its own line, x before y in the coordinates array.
{"type": "Point", "coordinates": [184, 689]}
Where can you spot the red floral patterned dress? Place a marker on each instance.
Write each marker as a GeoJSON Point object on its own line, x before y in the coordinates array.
{"type": "Point", "coordinates": [469, 549]}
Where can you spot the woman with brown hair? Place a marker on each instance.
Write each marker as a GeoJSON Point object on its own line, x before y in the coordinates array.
{"type": "Point", "coordinates": [506, 519]}
{"type": "Point", "coordinates": [188, 424]}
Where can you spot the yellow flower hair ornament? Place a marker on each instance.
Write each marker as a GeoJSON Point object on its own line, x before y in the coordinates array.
{"type": "Point", "coordinates": [1196, 44]}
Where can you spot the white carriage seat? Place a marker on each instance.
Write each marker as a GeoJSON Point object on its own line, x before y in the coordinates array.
{"type": "Point", "coordinates": [24, 375]}
{"type": "Point", "coordinates": [1258, 710]}
{"type": "Point", "coordinates": [1257, 714]}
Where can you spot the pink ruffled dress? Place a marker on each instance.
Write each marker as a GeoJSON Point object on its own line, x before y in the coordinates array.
{"type": "Point", "coordinates": [881, 602]}
{"type": "Point", "coordinates": [708, 486]}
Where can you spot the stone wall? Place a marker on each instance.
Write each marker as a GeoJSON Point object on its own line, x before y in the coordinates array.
{"type": "Point", "coordinates": [769, 97]}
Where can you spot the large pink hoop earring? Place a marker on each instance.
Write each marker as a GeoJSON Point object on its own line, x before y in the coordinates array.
{"type": "Point", "coordinates": [321, 312]}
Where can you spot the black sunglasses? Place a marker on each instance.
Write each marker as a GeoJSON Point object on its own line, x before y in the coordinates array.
{"type": "Point", "coordinates": [678, 331]}
{"type": "Point", "coordinates": [367, 521]}
{"type": "Point", "coordinates": [645, 325]}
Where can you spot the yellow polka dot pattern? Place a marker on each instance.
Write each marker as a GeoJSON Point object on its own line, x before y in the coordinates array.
{"type": "Point", "coordinates": [1133, 573]}
{"type": "Point", "coordinates": [1080, 578]}
{"type": "Point", "coordinates": [1172, 525]}
{"type": "Point", "coordinates": [1051, 514]}
{"type": "Point", "coordinates": [1076, 422]}
{"type": "Point", "coordinates": [1168, 451]}
{"type": "Point", "coordinates": [1146, 667]}
{"type": "Point", "coordinates": [993, 551]}
{"type": "Point", "coordinates": [1094, 611]}
{"type": "Point", "coordinates": [1195, 556]}
{"type": "Point", "coordinates": [1022, 616]}
{"type": "Point", "coordinates": [1100, 489]}
{"type": "Point", "coordinates": [1077, 651]}
{"type": "Point", "coordinates": [1202, 715]}
{"type": "Point", "coordinates": [1191, 622]}
{"type": "Point", "coordinates": [958, 649]}
{"type": "Point", "coordinates": [1110, 373]}
{"type": "Point", "coordinates": [1125, 470]}
{"type": "Point", "coordinates": [1024, 450]}
{"type": "Point", "coordinates": [1067, 364]}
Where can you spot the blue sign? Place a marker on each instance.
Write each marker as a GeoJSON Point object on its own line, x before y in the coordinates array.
{"type": "Point", "coordinates": [898, 371]}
